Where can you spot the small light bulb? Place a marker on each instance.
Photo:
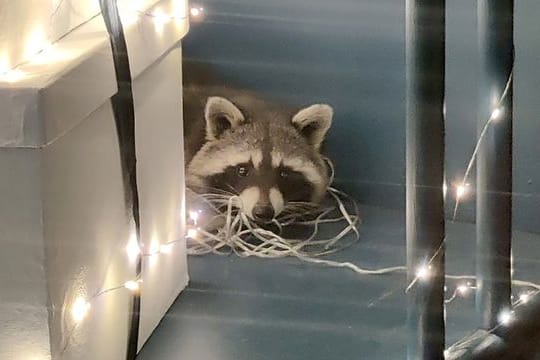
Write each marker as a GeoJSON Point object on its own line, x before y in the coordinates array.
{"type": "Point", "coordinates": [506, 317]}
{"type": "Point", "coordinates": [496, 114]}
{"type": "Point", "coordinates": [166, 248]}
{"type": "Point", "coordinates": [461, 190]}
{"type": "Point", "coordinates": [36, 42]}
{"type": "Point", "coordinates": [80, 309]}
{"type": "Point", "coordinates": [463, 289]}
{"type": "Point", "coordinates": [132, 248]}
{"type": "Point", "coordinates": [194, 216]}
{"type": "Point", "coordinates": [423, 272]}
{"type": "Point", "coordinates": [12, 76]}
{"type": "Point", "coordinates": [129, 18]}
{"type": "Point", "coordinates": [524, 298]}
{"type": "Point", "coordinates": [192, 233]}
{"type": "Point", "coordinates": [512, 263]}
{"type": "Point", "coordinates": [160, 19]}
{"type": "Point", "coordinates": [132, 285]}
{"type": "Point", "coordinates": [196, 11]}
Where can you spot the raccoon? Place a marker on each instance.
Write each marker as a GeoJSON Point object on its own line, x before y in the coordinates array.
{"type": "Point", "coordinates": [267, 155]}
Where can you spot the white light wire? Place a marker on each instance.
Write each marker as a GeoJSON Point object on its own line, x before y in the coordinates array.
{"type": "Point", "coordinates": [479, 141]}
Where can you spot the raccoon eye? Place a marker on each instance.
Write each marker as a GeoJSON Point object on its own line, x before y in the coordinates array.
{"type": "Point", "coordinates": [283, 173]}
{"type": "Point", "coordinates": [242, 171]}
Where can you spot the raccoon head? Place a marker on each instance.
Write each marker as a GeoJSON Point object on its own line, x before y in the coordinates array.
{"type": "Point", "coordinates": [271, 161]}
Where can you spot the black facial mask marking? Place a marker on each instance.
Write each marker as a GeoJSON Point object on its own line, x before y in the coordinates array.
{"type": "Point", "coordinates": [293, 185]}
{"type": "Point", "coordinates": [234, 178]}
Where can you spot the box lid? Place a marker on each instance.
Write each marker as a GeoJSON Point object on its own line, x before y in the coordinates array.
{"type": "Point", "coordinates": [56, 89]}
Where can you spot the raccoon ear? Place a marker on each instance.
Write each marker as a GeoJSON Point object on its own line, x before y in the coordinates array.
{"type": "Point", "coordinates": [220, 115]}
{"type": "Point", "coordinates": [313, 123]}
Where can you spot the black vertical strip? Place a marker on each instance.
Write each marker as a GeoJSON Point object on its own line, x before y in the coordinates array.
{"type": "Point", "coordinates": [425, 67]}
{"type": "Point", "coordinates": [124, 115]}
{"type": "Point", "coordinates": [494, 162]}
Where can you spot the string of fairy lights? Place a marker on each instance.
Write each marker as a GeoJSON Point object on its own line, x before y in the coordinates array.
{"type": "Point", "coordinates": [43, 52]}
{"type": "Point", "coordinates": [464, 283]}
{"type": "Point", "coordinates": [40, 51]}
{"type": "Point", "coordinates": [81, 306]}
{"type": "Point", "coordinates": [198, 242]}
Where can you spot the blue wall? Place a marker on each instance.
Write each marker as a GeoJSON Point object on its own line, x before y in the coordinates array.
{"type": "Point", "coordinates": [351, 54]}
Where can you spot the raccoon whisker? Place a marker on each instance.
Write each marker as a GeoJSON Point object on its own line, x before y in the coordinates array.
{"type": "Point", "coordinates": [234, 191]}
{"type": "Point", "coordinates": [207, 189]}
{"type": "Point", "coordinates": [214, 190]}
{"type": "Point", "coordinates": [219, 192]}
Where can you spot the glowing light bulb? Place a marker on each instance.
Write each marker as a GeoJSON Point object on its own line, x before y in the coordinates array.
{"type": "Point", "coordinates": [12, 76]}
{"type": "Point", "coordinates": [154, 247]}
{"type": "Point", "coordinates": [194, 216]}
{"type": "Point", "coordinates": [80, 309]}
{"type": "Point", "coordinates": [196, 11]}
{"type": "Point", "coordinates": [506, 317]}
{"type": "Point", "coordinates": [129, 11]}
{"type": "Point", "coordinates": [132, 248]}
{"type": "Point", "coordinates": [129, 18]}
{"type": "Point", "coordinates": [192, 233]}
{"type": "Point", "coordinates": [463, 289]}
{"type": "Point", "coordinates": [462, 190]}
{"type": "Point", "coordinates": [36, 42]}
{"type": "Point", "coordinates": [160, 19]}
{"type": "Point", "coordinates": [132, 285]}
{"type": "Point", "coordinates": [496, 114]}
{"type": "Point", "coordinates": [511, 262]}
{"type": "Point", "coordinates": [423, 272]}
{"type": "Point", "coordinates": [524, 298]}
{"type": "Point", "coordinates": [166, 248]}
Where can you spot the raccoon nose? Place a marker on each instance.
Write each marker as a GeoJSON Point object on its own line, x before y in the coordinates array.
{"type": "Point", "coordinates": [263, 213]}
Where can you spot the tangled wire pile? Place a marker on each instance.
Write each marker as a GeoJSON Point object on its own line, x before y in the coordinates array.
{"type": "Point", "coordinates": [227, 229]}
{"type": "Point", "coordinates": [230, 230]}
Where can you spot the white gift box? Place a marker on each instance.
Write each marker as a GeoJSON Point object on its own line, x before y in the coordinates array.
{"type": "Point", "coordinates": [64, 225]}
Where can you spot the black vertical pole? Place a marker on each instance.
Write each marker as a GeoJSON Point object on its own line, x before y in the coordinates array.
{"type": "Point", "coordinates": [494, 163]}
{"type": "Point", "coordinates": [425, 58]}
{"type": "Point", "coordinates": [124, 115]}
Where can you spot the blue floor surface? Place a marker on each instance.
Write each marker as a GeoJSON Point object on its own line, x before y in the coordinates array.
{"type": "Point", "coordinates": [255, 309]}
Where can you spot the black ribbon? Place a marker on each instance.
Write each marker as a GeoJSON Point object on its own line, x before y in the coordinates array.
{"type": "Point", "coordinates": [124, 116]}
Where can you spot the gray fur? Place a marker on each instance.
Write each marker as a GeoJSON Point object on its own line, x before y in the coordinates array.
{"type": "Point", "coordinates": [262, 128]}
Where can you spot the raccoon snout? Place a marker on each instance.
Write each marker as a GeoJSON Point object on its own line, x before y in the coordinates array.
{"type": "Point", "coordinates": [263, 213]}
